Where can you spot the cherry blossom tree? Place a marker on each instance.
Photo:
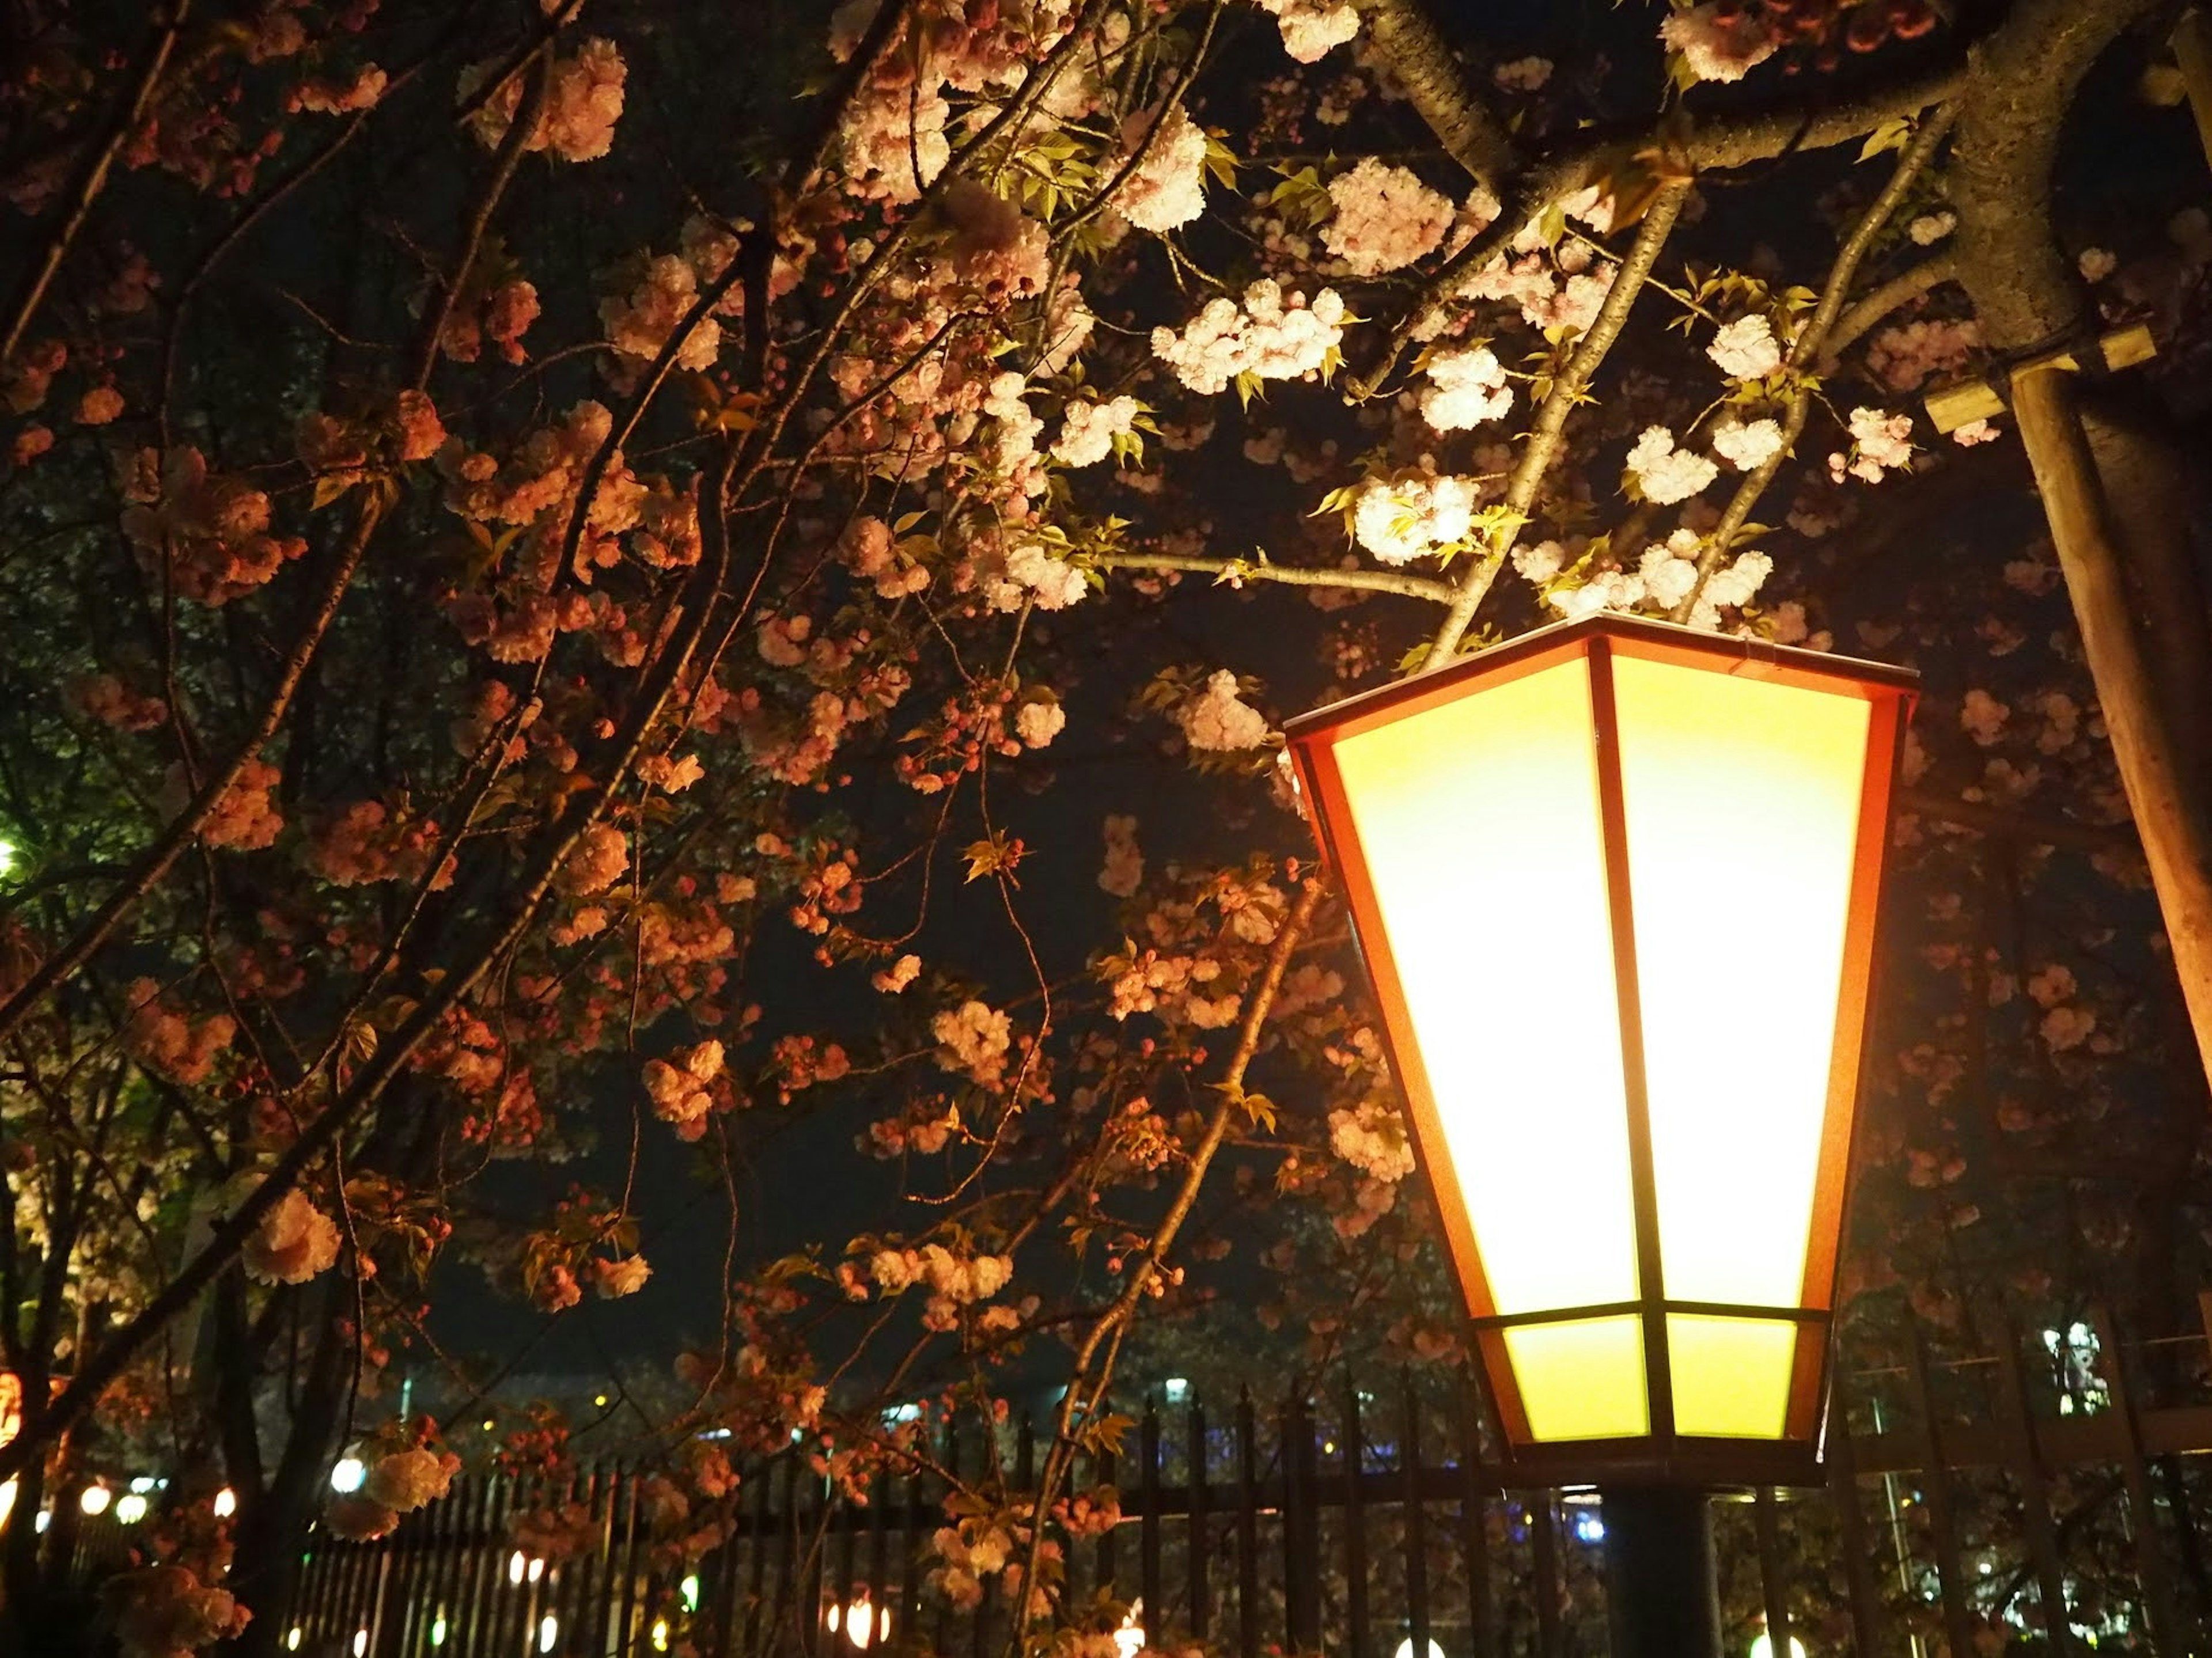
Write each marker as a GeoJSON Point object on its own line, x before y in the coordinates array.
{"type": "Point", "coordinates": [569, 578]}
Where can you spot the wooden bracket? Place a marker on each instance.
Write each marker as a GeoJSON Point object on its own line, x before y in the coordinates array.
{"type": "Point", "coordinates": [1971, 400]}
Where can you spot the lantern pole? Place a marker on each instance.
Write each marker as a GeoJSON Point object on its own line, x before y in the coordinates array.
{"type": "Point", "coordinates": [1661, 1598]}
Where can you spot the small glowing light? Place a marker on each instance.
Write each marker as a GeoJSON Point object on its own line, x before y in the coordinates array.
{"type": "Point", "coordinates": [131, 1510]}
{"type": "Point", "coordinates": [689, 1590]}
{"type": "Point", "coordinates": [7, 1499]}
{"type": "Point", "coordinates": [1763, 1647]}
{"type": "Point", "coordinates": [292, 1640]}
{"type": "Point", "coordinates": [1177, 1389]}
{"type": "Point", "coordinates": [348, 1474]}
{"type": "Point", "coordinates": [862, 1623]}
{"type": "Point", "coordinates": [360, 1642]}
{"type": "Point", "coordinates": [1406, 1649]}
{"type": "Point", "coordinates": [599, 1400]}
{"type": "Point", "coordinates": [438, 1629]}
{"type": "Point", "coordinates": [1129, 1639]}
{"type": "Point", "coordinates": [1987, 1569]}
{"type": "Point", "coordinates": [95, 1499]}
{"type": "Point", "coordinates": [516, 1565]}
{"type": "Point", "coordinates": [144, 1482]}
{"type": "Point", "coordinates": [537, 1569]}
{"type": "Point", "coordinates": [660, 1635]}
{"type": "Point", "coordinates": [549, 1632]}
{"type": "Point", "coordinates": [1589, 1528]}
{"type": "Point", "coordinates": [45, 1519]}
{"type": "Point", "coordinates": [488, 1425]}
{"type": "Point", "coordinates": [226, 1504]}
{"type": "Point", "coordinates": [7, 857]}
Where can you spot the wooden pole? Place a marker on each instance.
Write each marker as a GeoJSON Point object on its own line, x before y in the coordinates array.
{"type": "Point", "coordinates": [2177, 841]}
{"type": "Point", "coordinates": [2192, 49]}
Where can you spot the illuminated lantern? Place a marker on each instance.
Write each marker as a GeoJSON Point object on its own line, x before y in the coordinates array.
{"type": "Point", "coordinates": [1615, 883]}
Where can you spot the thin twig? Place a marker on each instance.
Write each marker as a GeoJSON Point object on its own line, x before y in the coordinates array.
{"type": "Point", "coordinates": [91, 180]}
{"type": "Point", "coordinates": [1806, 350]}
{"type": "Point", "coordinates": [1237, 571]}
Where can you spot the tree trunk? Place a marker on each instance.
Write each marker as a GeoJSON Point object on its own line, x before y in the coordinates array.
{"type": "Point", "coordinates": [2115, 497]}
{"type": "Point", "coordinates": [2176, 836]}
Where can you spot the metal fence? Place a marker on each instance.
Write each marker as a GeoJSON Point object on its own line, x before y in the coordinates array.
{"type": "Point", "coordinates": [1968, 1501]}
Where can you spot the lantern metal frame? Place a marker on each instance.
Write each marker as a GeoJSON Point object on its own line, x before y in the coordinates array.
{"type": "Point", "coordinates": [1661, 1455]}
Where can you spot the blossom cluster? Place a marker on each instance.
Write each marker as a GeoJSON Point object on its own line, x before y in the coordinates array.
{"type": "Point", "coordinates": [1088, 429]}
{"type": "Point", "coordinates": [578, 121]}
{"type": "Point", "coordinates": [1466, 387]}
{"type": "Point", "coordinates": [1719, 39]}
{"type": "Point", "coordinates": [1219, 719]}
{"type": "Point", "coordinates": [1385, 219]}
{"type": "Point", "coordinates": [974, 1039]}
{"type": "Point", "coordinates": [1402, 518]}
{"type": "Point", "coordinates": [1880, 443]}
{"type": "Point", "coordinates": [1663, 474]}
{"type": "Point", "coordinates": [1747, 349]}
{"type": "Point", "coordinates": [1167, 189]}
{"type": "Point", "coordinates": [1313, 28]}
{"type": "Point", "coordinates": [1268, 336]}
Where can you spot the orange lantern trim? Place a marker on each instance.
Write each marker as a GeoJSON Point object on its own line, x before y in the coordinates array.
{"type": "Point", "coordinates": [1634, 1110]}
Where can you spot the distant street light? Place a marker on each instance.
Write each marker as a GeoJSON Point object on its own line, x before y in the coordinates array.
{"type": "Point", "coordinates": [1615, 883]}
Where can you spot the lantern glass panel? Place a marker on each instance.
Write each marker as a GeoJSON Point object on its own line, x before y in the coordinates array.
{"type": "Point", "coordinates": [1731, 1375]}
{"type": "Point", "coordinates": [1478, 821]}
{"type": "Point", "coordinates": [1741, 798]}
{"type": "Point", "coordinates": [1582, 1378]}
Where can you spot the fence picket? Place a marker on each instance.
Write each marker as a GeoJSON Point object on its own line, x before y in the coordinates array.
{"type": "Point", "coordinates": [1936, 1485]}
{"type": "Point", "coordinates": [1148, 1536]}
{"type": "Point", "coordinates": [2165, 1625]}
{"type": "Point", "coordinates": [1199, 1543]}
{"type": "Point", "coordinates": [1543, 1534]}
{"type": "Point", "coordinates": [2035, 1497]}
{"type": "Point", "coordinates": [1247, 1531]}
{"type": "Point", "coordinates": [1774, 1588]}
{"type": "Point", "coordinates": [1416, 1517]}
{"type": "Point", "coordinates": [1850, 1522]}
{"type": "Point", "coordinates": [1350, 1434]}
{"type": "Point", "coordinates": [1474, 1525]}
{"type": "Point", "coordinates": [1301, 1544]}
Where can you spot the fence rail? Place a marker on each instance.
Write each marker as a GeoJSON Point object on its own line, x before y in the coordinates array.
{"type": "Point", "coordinates": [1965, 1501]}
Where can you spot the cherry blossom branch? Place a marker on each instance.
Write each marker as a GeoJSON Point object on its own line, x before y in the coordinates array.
{"type": "Point", "coordinates": [1999, 825]}
{"type": "Point", "coordinates": [1434, 84]}
{"type": "Point", "coordinates": [1758, 134]}
{"type": "Point", "coordinates": [156, 861]}
{"type": "Point", "coordinates": [1110, 1324]}
{"type": "Point", "coordinates": [1237, 571]}
{"type": "Point", "coordinates": [518, 133]}
{"type": "Point", "coordinates": [1879, 302]}
{"type": "Point", "coordinates": [1542, 444]}
{"type": "Point", "coordinates": [97, 1370]}
{"type": "Point", "coordinates": [1806, 350]}
{"type": "Point", "coordinates": [92, 180]}
{"type": "Point", "coordinates": [1035, 85]}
